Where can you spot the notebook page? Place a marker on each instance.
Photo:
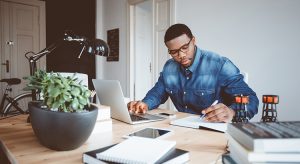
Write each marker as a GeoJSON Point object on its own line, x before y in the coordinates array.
{"type": "Point", "coordinates": [196, 122]}
{"type": "Point", "coordinates": [137, 150]}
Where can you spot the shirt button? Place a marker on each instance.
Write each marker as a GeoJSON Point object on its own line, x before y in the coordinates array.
{"type": "Point", "coordinates": [187, 78]}
{"type": "Point", "coordinates": [184, 92]}
{"type": "Point", "coordinates": [185, 107]}
{"type": "Point", "coordinates": [171, 92]}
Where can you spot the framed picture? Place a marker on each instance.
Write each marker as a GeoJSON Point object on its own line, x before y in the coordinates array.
{"type": "Point", "coordinates": [113, 43]}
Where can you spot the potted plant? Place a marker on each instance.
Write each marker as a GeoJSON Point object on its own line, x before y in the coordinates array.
{"type": "Point", "coordinates": [64, 118]}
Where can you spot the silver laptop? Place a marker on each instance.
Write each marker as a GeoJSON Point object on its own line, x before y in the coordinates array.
{"type": "Point", "coordinates": [110, 93]}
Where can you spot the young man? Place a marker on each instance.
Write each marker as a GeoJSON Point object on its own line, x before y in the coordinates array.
{"type": "Point", "coordinates": [194, 79]}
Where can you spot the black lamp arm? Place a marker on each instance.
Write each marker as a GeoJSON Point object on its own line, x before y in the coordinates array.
{"type": "Point", "coordinates": [36, 56]}
{"type": "Point", "coordinates": [94, 47]}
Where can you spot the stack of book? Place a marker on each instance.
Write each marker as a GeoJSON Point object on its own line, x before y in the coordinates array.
{"type": "Point", "coordinates": [104, 121]}
{"type": "Point", "coordinates": [138, 150]}
{"type": "Point", "coordinates": [260, 142]}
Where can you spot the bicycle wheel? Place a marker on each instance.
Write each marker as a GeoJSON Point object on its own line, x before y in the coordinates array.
{"type": "Point", "coordinates": [19, 104]}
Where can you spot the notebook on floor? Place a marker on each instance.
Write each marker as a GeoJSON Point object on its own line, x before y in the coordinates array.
{"type": "Point", "coordinates": [110, 93]}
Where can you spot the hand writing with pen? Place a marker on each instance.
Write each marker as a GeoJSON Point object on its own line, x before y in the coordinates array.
{"type": "Point", "coordinates": [217, 112]}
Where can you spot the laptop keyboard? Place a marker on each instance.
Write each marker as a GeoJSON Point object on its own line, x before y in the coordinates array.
{"type": "Point", "coordinates": [137, 118]}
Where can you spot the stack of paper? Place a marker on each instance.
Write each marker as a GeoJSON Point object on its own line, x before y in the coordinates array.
{"type": "Point", "coordinates": [103, 112]}
{"type": "Point", "coordinates": [104, 121]}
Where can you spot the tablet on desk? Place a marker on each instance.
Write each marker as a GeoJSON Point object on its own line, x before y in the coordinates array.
{"type": "Point", "coordinates": [150, 132]}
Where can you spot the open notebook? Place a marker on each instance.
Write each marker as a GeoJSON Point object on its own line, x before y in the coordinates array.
{"type": "Point", "coordinates": [137, 150]}
{"type": "Point", "coordinates": [197, 123]}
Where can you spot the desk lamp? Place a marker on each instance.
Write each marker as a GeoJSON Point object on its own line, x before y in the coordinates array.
{"type": "Point", "coordinates": [93, 47]}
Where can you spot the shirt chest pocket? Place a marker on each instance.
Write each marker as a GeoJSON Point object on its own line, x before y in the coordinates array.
{"type": "Point", "coordinates": [204, 98]}
{"type": "Point", "coordinates": [172, 92]}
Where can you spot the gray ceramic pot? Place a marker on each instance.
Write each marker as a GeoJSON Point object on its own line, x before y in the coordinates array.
{"type": "Point", "coordinates": [61, 131]}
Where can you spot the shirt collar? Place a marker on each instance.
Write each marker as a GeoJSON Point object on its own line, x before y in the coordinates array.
{"type": "Point", "coordinates": [196, 61]}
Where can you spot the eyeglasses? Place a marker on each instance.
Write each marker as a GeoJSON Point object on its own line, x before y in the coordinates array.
{"type": "Point", "coordinates": [184, 48]}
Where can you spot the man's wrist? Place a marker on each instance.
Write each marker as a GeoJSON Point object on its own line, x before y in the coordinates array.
{"type": "Point", "coordinates": [232, 113]}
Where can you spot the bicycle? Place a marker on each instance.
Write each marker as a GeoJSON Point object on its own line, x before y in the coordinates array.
{"type": "Point", "coordinates": [15, 105]}
{"type": "Point", "coordinates": [18, 105]}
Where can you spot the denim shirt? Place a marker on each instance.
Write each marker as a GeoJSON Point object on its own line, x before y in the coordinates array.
{"type": "Point", "coordinates": [211, 77]}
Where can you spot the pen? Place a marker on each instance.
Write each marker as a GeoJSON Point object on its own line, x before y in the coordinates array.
{"type": "Point", "coordinates": [214, 103]}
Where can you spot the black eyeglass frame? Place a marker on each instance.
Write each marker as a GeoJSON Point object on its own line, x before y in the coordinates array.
{"type": "Point", "coordinates": [175, 53]}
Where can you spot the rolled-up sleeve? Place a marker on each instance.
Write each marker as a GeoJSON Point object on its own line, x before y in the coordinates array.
{"type": "Point", "coordinates": [157, 95]}
{"type": "Point", "coordinates": [232, 83]}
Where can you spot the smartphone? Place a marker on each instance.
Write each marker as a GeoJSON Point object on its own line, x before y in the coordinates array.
{"type": "Point", "coordinates": [167, 115]}
{"type": "Point", "coordinates": [150, 133]}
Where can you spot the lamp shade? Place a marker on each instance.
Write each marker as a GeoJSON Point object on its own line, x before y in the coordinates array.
{"type": "Point", "coordinates": [97, 47]}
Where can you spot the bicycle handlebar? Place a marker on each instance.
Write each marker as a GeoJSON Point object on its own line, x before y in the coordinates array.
{"type": "Point", "coordinates": [11, 81]}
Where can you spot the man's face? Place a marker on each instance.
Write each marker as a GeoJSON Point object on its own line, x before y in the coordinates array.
{"type": "Point", "coordinates": [182, 49]}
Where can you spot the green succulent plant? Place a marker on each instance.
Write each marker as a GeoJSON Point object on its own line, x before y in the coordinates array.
{"type": "Point", "coordinates": [65, 94]}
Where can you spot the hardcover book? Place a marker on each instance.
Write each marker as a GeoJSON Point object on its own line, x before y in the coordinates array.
{"type": "Point", "coordinates": [267, 137]}
{"type": "Point", "coordinates": [238, 151]}
{"type": "Point", "coordinates": [226, 159]}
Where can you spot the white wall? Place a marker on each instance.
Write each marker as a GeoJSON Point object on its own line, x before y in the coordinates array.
{"type": "Point", "coordinates": [111, 14]}
{"type": "Point", "coordinates": [99, 35]}
{"type": "Point", "coordinates": [260, 36]}
{"type": "Point", "coordinates": [143, 49]}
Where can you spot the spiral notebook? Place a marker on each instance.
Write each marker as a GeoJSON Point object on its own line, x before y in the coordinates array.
{"type": "Point", "coordinates": [173, 156]}
{"type": "Point", "coordinates": [137, 150]}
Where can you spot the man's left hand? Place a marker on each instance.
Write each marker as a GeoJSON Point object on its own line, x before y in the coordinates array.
{"type": "Point", "coordinates": [218, 113]}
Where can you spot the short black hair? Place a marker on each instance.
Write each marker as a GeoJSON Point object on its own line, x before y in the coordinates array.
{"type": "Point", "coordinates": [176, 30]}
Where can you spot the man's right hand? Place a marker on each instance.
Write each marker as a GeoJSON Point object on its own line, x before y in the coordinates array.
{"type": "Point", "coordinates": [137, 107]}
